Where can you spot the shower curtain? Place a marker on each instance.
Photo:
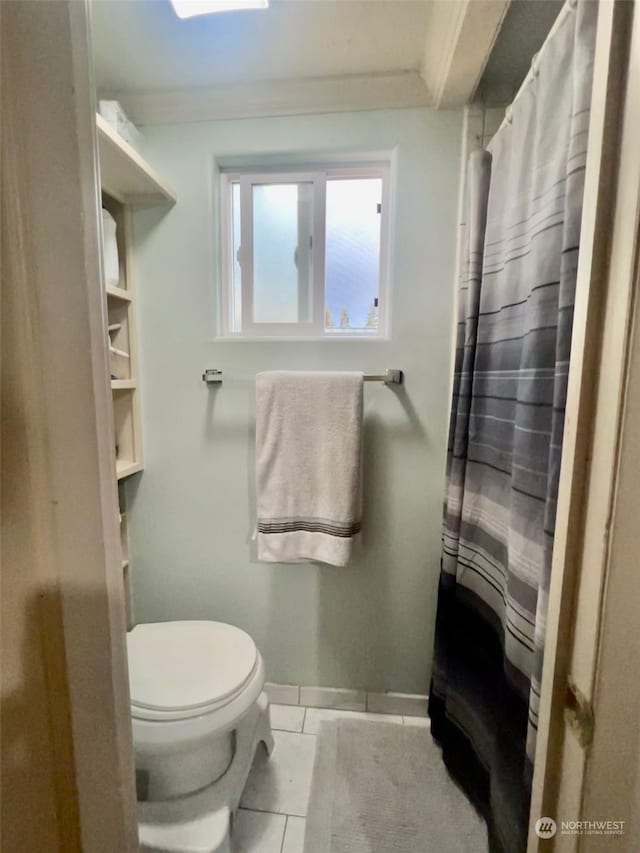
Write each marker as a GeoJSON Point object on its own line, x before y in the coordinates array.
{"type": "Point", "coordinates": [516, 295]}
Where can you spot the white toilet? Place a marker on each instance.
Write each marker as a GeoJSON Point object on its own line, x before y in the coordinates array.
{"type": "Point", "coordinates": [198, 713]}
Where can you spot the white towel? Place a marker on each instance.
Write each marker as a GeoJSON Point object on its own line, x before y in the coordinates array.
{"type": "Point", "coordinates": [308, 442]}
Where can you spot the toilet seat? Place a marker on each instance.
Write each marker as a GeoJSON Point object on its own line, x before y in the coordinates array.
{"type": "Point", "coordinates": [181, 670]}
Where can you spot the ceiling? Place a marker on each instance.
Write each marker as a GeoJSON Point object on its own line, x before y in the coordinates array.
{"type": "Point", "coordinates": [305, 56]}
{"type": "Point", "coordinates": [145, 47]}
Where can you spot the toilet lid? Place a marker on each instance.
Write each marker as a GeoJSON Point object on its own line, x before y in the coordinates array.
{"type": "Point", "coordinates": [176, 666]}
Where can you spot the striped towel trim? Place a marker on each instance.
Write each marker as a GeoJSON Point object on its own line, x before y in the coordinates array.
{"type": "Point", "coordinates": [310, 525]}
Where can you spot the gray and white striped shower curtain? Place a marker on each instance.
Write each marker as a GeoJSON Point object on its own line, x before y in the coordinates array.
{"type": "Point", "coordinates": [515, 317]}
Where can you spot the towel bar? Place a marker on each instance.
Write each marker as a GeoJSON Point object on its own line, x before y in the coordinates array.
{"type": "Point", "coordinates": [213, 376]}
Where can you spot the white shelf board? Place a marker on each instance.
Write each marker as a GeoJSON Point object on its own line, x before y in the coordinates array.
{"type": "Point", "coordinates": [125, 175]}
{"type": "Point", "coordinates": [126, 467]}
{"type": "Point", "coordinates": [119, 293]}
{"type": "Point", "coordinates": [123, 384]}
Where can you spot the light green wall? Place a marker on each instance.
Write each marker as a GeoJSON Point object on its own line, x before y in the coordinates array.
{"type": "Point", "coordinates": [370, 624]}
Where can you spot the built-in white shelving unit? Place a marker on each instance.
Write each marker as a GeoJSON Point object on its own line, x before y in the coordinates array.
{"type": "Point", "coordinates": [127, 181]}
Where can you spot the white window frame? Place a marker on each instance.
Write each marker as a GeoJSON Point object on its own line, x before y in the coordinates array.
{"type": "Point", "coordinates": [318, 176]}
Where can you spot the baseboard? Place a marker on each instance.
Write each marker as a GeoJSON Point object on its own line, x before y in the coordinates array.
{"type": "Point", "coordinates": [406, 704]}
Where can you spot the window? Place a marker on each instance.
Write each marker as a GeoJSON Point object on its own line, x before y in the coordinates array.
{"type": "Point", "coordinates": [304, 253]}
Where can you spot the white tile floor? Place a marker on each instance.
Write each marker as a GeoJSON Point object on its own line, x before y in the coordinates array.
{"type": "Point", "coordinates": [272, 813]}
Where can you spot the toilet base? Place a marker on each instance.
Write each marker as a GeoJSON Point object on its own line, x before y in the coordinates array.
{"type": "Point", "coordinates": [201, 822]}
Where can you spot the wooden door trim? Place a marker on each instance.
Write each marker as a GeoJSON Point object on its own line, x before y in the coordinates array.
{"type": "Point", "coordinates": [594, 378]}
{"type": "Point", "coordinates": [72, 592]}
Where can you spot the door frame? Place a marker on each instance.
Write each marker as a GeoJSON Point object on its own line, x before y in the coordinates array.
{"type": "Point", "coordinates": [64, 566]}
{"type": "Point", "coordinates": [596, 399]}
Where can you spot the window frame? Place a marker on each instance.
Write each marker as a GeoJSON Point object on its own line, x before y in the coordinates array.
{"type": "Point", "coordinates": [247, 178]}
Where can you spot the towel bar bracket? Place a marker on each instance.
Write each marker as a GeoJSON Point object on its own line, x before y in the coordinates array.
{"type": "Point", "coordinates": [391, 377]}
{"type": "Point", "coordinates": [213, 376]}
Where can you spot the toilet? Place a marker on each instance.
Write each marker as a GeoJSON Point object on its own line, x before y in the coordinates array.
{"type": "Point", "coordinates": [198, 711]}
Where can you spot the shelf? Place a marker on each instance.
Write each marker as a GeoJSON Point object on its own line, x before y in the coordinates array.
{"type": "Point", "coordinates": [125, 467]}
{"type": "Point", "coordinates": [125, 175]}
{"type": "Point", "coordinates": [119, 293]}
{"type": "Point", "coordinates": [123, 384]}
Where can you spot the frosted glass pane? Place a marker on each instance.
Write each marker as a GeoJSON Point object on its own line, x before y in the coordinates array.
{"type": "Point", "coordinates": [282, 217]}
{"type": "Point", "coordinates": [352, 262]}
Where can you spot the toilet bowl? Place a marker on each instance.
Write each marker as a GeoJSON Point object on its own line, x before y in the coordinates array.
{"type": "Point", "coordinates": [198, 712]}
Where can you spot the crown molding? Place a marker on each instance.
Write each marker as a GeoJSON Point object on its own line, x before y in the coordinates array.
{"type": "Point", "coordinates": [460, 37]}
{"type": "Point", "coordinates": [394, 90]}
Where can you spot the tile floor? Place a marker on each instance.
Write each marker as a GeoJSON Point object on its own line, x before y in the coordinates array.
{"type": "Point", "coordinates": [272, 812]}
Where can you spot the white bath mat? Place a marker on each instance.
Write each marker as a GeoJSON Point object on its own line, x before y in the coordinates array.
{"type": "Point", "coordinates": [382, 788]}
